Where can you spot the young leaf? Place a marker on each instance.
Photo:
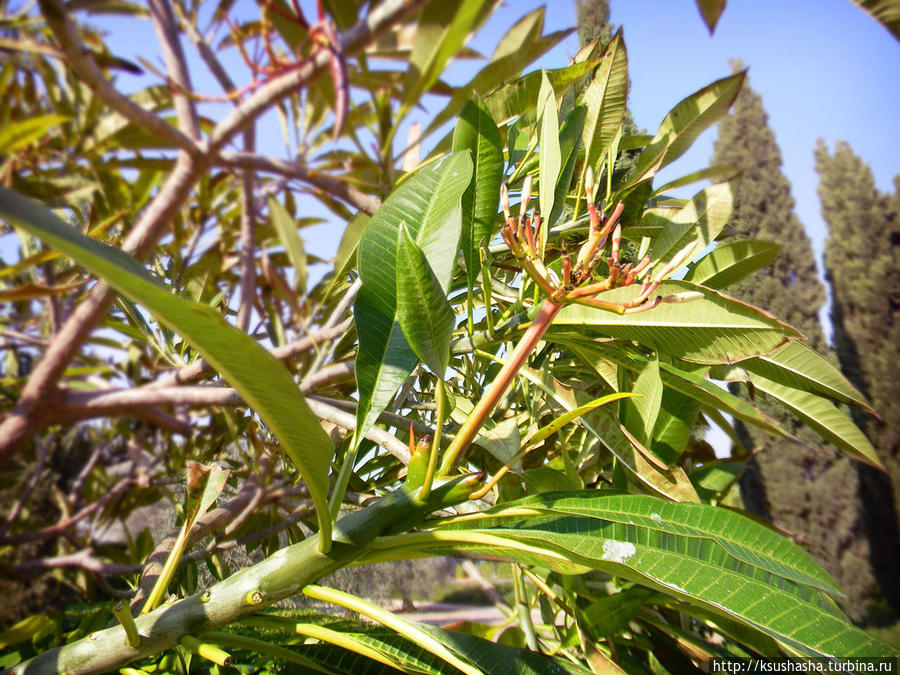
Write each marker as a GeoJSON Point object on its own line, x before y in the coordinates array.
{"type": "Point", "coordinates": [605, 101]}
{"type": "Point", "coordinates": [477, 132]}
{"type": "Point", "coordinates": [429, 204]}
{"type": "Point", "coordinates": [683, 124]}
{"type": "Point", "coordinates": [700, 220]}
{"type": "Point", "coordinates": [640, 413]}
{"type": "Point", "coordinates": [422, 308]}
{"type": "Point", "coordinates": [261, 379]}
{"type": "Point", "coordinates": [550, 159]}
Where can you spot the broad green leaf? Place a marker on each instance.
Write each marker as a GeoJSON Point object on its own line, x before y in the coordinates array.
{"type": "Point", "coordinates": [429, 205]}
{"type": "Point", "coordinates": [713, 478]}
{"type": "Point", "coordinates": [674, 425]}
{"type": "Point", "coordinates": [707, 556]}
{"type": "Point", "coordinates": [821, 416]}
{"type": "Point", "coordinates": [261, 379]}
{"type": "Point", "coordinates": [286, 228]}
{"type": "Point", "coordinates": [700, 220]}
{"type": "Point", "coordinates": [639, 414]}
{"type": "Point", "coordinates": [425, 315]}
{"type": "Point", "coordinates": [17, 135]}
{"type": "Point", "coordinates": [692, 385]}
{"type": "Point", "coordinates": [605, 101]}
{"type": "Point", "coordinates": [548, 138]}
{"type": "Point", "coordinates": [477, 133]}
{"type": "Point", "coordinates": [798, 366]}
{"type": "Point", "coordinates": [612, 614]}
{"type": "Point", "coordinates": [500, 70]}
{"type": "Point", "coordinates": [517, 97]}
{"type": "Point", "coordinates": [443, 28]}
{"type": "Point", "coordinates": [711, 11]}
{"type": "Point", "coordinates": [525, 31]}
{"type": "Point", "coordinates": [670, 483]}
{"type": "Point", "coordinates": [730, 262]}
{"type": "Point", "coordinates": [683, 124]}
{"type": "Point", "coordinates": [713, 329]}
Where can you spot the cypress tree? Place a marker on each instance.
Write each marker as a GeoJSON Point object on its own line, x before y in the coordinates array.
{"type": "Point", "coordinates": [861, 260]}
{"type": "Point", "coordinates": [592, 18]}
{"type": "Point", "coordinates": [810, 492]}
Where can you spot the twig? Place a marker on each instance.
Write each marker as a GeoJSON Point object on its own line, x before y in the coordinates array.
{"type": "Point", "coordinates": [83, 559]}
{"type": "Point", "coordinates": [66, 523]}
{"type": "Point", "coordinates": [197, 370]}
{"type": "Point", "coordinates": [176, 65]}
{"type": "Point", "coordinates": [29, 488]}
{"type": "Point", "coordinates": [333, 186]}
{"type": "Point", "coordinates": [88, 72]}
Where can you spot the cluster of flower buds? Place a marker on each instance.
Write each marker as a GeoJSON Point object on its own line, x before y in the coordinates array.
{"type": "Point", "coordinates": [523, 237]}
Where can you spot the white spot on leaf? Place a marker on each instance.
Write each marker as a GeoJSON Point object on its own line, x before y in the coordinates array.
{"type": "Point", "coordinates": [617, 551]}
{"type": "Point", "coordinates": [655, 517]}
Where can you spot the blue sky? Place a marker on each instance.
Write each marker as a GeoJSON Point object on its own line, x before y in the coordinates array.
{"type": "Point", "coordinates": [824, 68]}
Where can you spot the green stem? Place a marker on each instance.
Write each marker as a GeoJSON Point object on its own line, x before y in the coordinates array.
{"type": "Point", "coordinates": [441, 401]}
{"type": "Point", "coordinates": [498, 387]}
{"type": "Point", "coordinates": [343, 479]}
{"type": "Point", "coordinates": [123, 614]}
{"type": "Point", "coordinates": [279, 576]}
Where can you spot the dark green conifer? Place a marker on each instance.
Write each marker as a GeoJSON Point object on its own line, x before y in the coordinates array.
{"type": "Point", "coordinates": [810, 492]}
{"type": "Point", "coordinates": [861, 260]}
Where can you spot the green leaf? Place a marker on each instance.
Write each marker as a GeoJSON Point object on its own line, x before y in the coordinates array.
{"type": "Point", "coordinates": [713, 329]}
{"type": "Point", "coordinates": [425, 315]}
{"type": "Point", "coordinates": [639, 414]}
{"type": "Point", "coordinates": [681, 380]}
{"type": "Point", "coordinates": [711, 11]}
{"type": "Point", "coordinates": [821, 416]}
{"type": "Point", "coordinates": [286, 228]}
{"type": "Point", "coordinates": [605, 101]}
{"type": "Point", "coordinates": [569, 142]}
{"type": "Point", "coordinates": [612, 614]}
{"type": "Point", "coordinates": [730, 262]}
{"type": "Point", "coordinates": [798, 366]}
{"type": "Point", "coordinates": [572, 415]}
{"type": "Point", "coordinates": [429, 205]}
{"type": "Point", "coordinates": [713, 478]}
{"type": "Point", "coordinates": [517, 97]}
{"type": "Point", "coordinates": [17, 135]}
{"type": "Point", "coordinates": [477, 133]}
{"type": "Point", "coordinates": [443, 28]}
{"type": "Point", "coordinates": [670, 483]}
{"type": "Point", "coordinates": [683, 124]}
{"type": "Point", "coordinates": [261, 379]}
{"type": "Point", "coordinates": [500, 70]}
{"type": "Point", "coordinates": [706, 556]}
{"type": "Point", "coordinates": [715, 174]}
{"type": "Point", "coordinates": [700, 220]}
{"type": "Point", "coordinates": [548, 138]}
